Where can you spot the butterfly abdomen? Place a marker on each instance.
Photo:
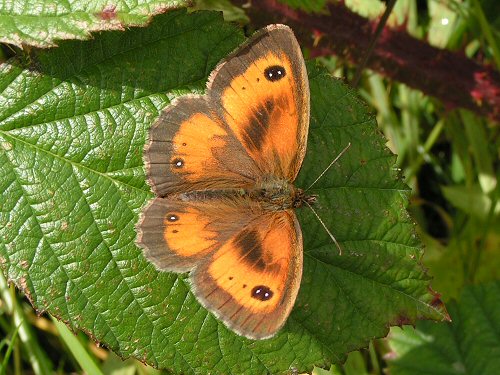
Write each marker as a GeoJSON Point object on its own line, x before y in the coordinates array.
{"type": "Point", "coordinates": [270, 194]}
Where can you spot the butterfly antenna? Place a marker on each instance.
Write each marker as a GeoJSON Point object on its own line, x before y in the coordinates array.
{"type": "Point", "coordinates": [329, 166]}
{"type": "Point", "coordinates": [324, 226]}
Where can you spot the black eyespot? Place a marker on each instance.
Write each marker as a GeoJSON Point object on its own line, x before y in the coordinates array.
{"type": "Point", "coordinates": [178, 163]}
{"type": "Point", "coordinates": [243, 88]}
{"type": "Point", "coordinates": [262, 293]}
{"type": "Point", "coordinates": [244, 285]}
{"type": "Point", "coordinates": [172, 218]}
{"type": "Point", "coordinates": [175, 231]}
{"type": "Point", "coordinates": [274, 73]}
{"type": "Point", "coordinates": [230, 277]}
{"type": "Point", "coordinates": [184, 144]}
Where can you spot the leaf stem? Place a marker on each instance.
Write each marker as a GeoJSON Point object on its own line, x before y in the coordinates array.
{"type": "Point", "coordinates": [485, 27]}
{"type": "Point", "coordinates": [373, 42]}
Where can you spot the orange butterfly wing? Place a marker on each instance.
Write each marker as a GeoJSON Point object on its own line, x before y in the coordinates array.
{"type": "Point", "coordinates": [252, 281]}
{"type": "Point", "coordinates": [252, 123]}
{"type": "Point", "coordinates": [245, 264]}
{"type": "Point", "coordinates": [262, 93]}
{"type": "Point", "coordinates": [190, 149]}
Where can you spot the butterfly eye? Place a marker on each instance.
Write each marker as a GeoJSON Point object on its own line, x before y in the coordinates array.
{"type": "Point", "coordinates": [262, 293]}
{"type": "Point", "coordinates": [274, 73]}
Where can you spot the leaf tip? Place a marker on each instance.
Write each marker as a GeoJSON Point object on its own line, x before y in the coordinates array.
{"type": "Point", "coordinates": [438, 304]}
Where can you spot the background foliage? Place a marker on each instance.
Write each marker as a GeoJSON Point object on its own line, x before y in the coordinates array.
{"type": "Point", "coordinates": [73, 124]}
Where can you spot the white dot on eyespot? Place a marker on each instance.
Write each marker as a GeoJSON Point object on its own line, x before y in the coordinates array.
{"type": "Point", "coordinates": [179, 163]}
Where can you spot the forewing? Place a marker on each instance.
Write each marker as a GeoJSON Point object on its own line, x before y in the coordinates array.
{"type": "Point", "coordinates": [190, 149]}
{"type": "Point", "coordinates": [262, 93]}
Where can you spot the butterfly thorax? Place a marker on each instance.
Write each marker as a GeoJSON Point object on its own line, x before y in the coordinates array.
{"type": "Point", "coordinates": [276, 194]}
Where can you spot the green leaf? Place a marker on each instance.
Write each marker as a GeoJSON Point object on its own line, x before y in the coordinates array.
{"type": "Point", "coordinates": [72, 131]}
{"type": "Point", "coordinates": [470, 344]}
{"type": "Point", "coordinates": [472, 200]}
{"type": "Point", "coordinates": [316, 6]}
{"type": "Point", "coordinates": [461, 261]}
{"type": "Point", "coordinates": [43, 22]}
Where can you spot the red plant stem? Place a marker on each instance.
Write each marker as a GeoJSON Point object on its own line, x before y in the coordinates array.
{"type": "Point", "coordinates": [449, 76]}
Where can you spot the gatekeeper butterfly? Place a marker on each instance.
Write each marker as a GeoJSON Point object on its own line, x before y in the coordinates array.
{"type": "Point", "coordinates": [222, 166]}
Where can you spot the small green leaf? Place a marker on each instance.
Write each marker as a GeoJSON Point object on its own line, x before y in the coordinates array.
{"type": "Point", "coordinates": [231, 12]}
{"type": "Point", "coordinates": [470, 344]}
{"type": "Point", "coordinates": [472, 200]}
{"type": "Point", "coordinates": [42, 23]}
{"type": "Point", "coordinates": [72, 132]}
{"type": "Point", "coordinates": [309, 6]}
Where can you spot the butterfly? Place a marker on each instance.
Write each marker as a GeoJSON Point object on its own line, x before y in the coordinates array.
{"type": "Point", "coordinates": [222, 166]}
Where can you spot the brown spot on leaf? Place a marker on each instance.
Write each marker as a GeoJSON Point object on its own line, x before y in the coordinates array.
{"type": "Point", "coordinates": [108, 13]}
{"type": "Point", "coordinates": [24, 284]}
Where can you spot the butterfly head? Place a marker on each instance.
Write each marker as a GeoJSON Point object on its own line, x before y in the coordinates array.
{"type": "Point", "coordinates": [301, 197]}
{"type": "Point", "coordinates": [276, 194]}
